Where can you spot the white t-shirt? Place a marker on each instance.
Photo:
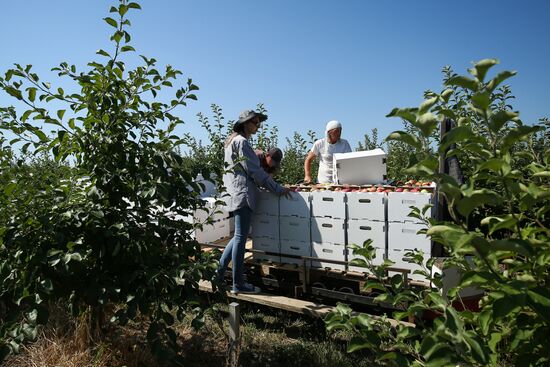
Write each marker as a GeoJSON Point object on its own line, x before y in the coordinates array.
{"type": "Point", "coordinates": [324, 150]}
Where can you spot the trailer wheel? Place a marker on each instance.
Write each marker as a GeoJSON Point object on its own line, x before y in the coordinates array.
{"type": "Point", "coordinates": [346, 290]}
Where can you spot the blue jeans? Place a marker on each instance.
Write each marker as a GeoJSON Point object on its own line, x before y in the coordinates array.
{"type": "Point", "coordinates": [234, 251]}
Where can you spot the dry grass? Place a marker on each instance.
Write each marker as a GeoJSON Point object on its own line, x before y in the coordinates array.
{"type": "Point", "coordinates": [68, 342]}
{"type": "Point", "coordinates": [52, 350]}
{"type": "Point", "coordinates": [269, 338]}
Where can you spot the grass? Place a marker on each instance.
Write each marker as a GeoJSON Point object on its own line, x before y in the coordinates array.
{"type": "Point", "coordinates": [269, 338]}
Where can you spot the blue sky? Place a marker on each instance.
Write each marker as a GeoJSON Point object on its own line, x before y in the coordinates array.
{"type": "Point", "coordinates": [307, 61]}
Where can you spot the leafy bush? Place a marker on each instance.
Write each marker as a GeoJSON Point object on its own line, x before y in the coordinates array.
{"type": "Point", "coordinates": [295, 153]}
{"type": "Point", "coordinates": [499, 216]}
{"type": "Point", "coordinates": [114, 233]}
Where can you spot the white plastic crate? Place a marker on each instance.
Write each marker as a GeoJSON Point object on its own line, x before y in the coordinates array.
{"type": "Point", "coordinates": [296, 206]}
{"type": "Point", "coordinates": [328, 230]}
{"type": "Point", "coordinates": [367, 205]}
{"type": "Point", "coordinates": [403, 236]}
{"type": "Point", "coordinates": [294, 229]}
{"type": "Point", "coordinates": [265, 226]}
{"type": "Point", "coordinates": [361, 230]}
{"type": "Point", "coordinates": [267, 203]}
{"type": "Point", "coordinates": [331, 204]}
{"type": "Point", "coordinates": [360, 168]}
{"type": "Point", "coordinates": [295, 248]}
{"type": "Point", "coordinates": [213, 232]}
{"type": "Point", "coordinates": [399, 204]}
{"type": "Point", "coordinates": [266, 244]}
{"type": "Point", "coordinates": [328, 251]}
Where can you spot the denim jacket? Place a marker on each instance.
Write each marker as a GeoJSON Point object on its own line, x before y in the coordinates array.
{"type": "Point", "coordinates": [245, 175]}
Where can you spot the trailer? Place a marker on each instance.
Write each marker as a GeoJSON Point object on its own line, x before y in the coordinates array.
{"type": "Point", "coordinates": [301, 247]}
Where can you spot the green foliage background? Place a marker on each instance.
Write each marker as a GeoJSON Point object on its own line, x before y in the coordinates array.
{"type": "Point", "coordinates": [497, 236]}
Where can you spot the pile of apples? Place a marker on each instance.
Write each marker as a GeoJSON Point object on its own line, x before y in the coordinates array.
{"type": "Point", "coordinates": [409, 186]}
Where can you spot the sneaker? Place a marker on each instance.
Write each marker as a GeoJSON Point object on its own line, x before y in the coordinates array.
{"type": "Point", "coordinates": [246, 288]}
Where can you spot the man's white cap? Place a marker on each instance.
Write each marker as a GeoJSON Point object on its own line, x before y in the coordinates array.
{"type": "Point", "coordinates": [333, 125]}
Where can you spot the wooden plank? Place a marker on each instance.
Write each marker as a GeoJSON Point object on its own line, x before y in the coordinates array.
{"type": "Point", "coordinates": [291, 304]}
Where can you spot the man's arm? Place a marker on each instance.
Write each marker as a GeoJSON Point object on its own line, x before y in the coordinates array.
{"type": "Point", "coordinates": [307, 167]}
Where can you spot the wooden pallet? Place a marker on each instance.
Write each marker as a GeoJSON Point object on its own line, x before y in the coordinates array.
{"type": "Point", "coordinates": [312, 309]}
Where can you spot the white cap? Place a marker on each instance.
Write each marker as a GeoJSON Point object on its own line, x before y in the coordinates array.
{"type": "Point", "coordinates": [333, 125]}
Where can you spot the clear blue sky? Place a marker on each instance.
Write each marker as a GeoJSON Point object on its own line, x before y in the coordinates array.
{"type": "Point", "coordinates": [307, 61]}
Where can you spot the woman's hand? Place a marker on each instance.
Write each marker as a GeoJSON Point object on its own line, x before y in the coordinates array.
{"type": "Point", "coordinates": [287, 193]}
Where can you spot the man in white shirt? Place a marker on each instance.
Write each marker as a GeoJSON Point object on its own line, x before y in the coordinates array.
{"type": "Point", "coordinates": [324, 149]}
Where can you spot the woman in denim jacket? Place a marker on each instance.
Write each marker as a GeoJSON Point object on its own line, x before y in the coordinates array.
{"type": "Point", "coordinates": [242, 182]}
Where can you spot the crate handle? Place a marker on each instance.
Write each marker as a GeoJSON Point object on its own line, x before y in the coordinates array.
{"type": "Point", "coordinates": [365, 228]}
{"type": "Point", "coordinates": [327, 225]}
{"type": "Point", "coordinates": [364, 200]}
{"type": "Point", "coordinates": [295, 224]}
{"type": "Point", "coordinates": [405, 230]}
{"type": "Point", "coordinates": [294, 248]}
{"type": "Point", "coordinates": [327, 250]}
{"type": "Point", "coordinates": [328, 199]}
{"type": "Point", "coordinates": [264, 222]}
{"type": "Point", "coordinates": [408, 201]}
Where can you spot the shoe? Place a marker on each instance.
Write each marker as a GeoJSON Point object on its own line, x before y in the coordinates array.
{"type": "Point", "coordinates": [246, 288]}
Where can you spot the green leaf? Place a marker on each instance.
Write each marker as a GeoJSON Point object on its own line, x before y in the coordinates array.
{"type": "Point", "coordinates": [480, 353]}
{"type": "Point", "coordinates": [122, 9]}
{"type": "Point", "coordinates": [498, 119]}
{"type": "Point", "coordinates": [111, 22]}
{"type": "Point", "coordinates": [40, 134]}
{"type": "Point", "coordinates": [357, 343]}
{"type": "Point", "coordinates": [540, 300]}
{"type": "Point", "coordinates": [517, 134]}
{"type": "Point", "coordinates": [437, 300]}
{"type": "Point", "coordinates": [427, 105]}
{"type": "Point", "coordinates": [455, 135]}
{"type": "Point", "coordinates": [499, 78]}
{"type": "Point", "coordinates": [481, 67]}
{"type": "Point", "coordinates": [477, 278]}
{"type": "Point", "coordinates": [493, 164]}
{"type": "Point", "coordinates": [97, 213]}
{"type": "Point", "coordinates": [464, 82]}
{"type": "Point", "coordinates": [102, 53]}
{"type": "Point", "coordinates": [407, 114]}
{"type": "Point", "coordinates": [485, 320]}
{"type": "Point", "coordinates": [32, 94]}
{"type": "Point", "coordinates": [126, 48]}
{"type": "Point", "coordinates": [134, 6]}
{"type": "Point", "coordinates": [506, 307]}
{"type": "Point", "coordinates": [495, 223]}
{"type": "Point", "coordinates": [408, 332]}
{"type": "Point", "coordinates": [477, 199]}
{"type": "Point", "coordinates": [427, 122]}
{"type": "Point", "coordinates": [514, 245]}
{"type": "Point", "coordinates": [446, 94]}
{"type": "Point", "coordinates": [481, 101]}
{"type": "Point", "coordinates": [60, 114]}
{"type": "Point", "coordinates": [405, 138]}
{"type": "Point", "coordinates": [14, 92]}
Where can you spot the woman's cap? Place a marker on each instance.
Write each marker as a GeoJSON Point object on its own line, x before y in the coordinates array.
{"type": "Point", "coordinates": [246, 115]}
